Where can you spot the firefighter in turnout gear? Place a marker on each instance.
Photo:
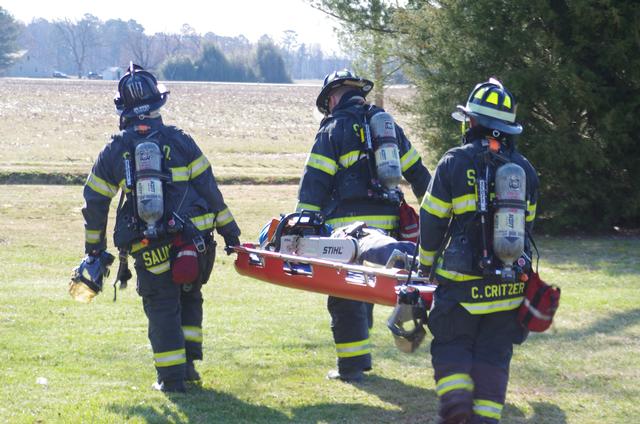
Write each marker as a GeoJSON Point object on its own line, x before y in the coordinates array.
{"type": "Point", "coordinates": [341, 180]}
{"type": "Point", "coordinates": [169, 206]}
{"type": "Point", "coordinates": [464, 246]}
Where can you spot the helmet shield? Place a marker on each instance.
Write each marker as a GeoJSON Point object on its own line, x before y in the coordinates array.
{"type": "Point", "coordinates": [341, 79]}
{"type": "Point", "coordinates": [492, 106]}
{"type": "Point", "coordinates": [139, 93]}
{"type": "Point", "coordinates": [407, 320]}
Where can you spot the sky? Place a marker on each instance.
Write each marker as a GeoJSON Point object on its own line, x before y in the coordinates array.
{"type": "Point", "coordinates": [251, 18]}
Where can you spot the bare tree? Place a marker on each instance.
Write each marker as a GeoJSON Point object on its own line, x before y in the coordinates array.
{"type": "Point", "coordinates": [80, 37]}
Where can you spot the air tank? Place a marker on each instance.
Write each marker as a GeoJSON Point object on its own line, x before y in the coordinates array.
{"type": "Point", "coordinates": [385, 146]}
{"type": "Point", "coordinates": [149, 194]}
{"type": "Point", "coordinates": [509, 216]}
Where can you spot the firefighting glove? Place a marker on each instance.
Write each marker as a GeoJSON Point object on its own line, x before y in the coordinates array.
{"type": "Point", "coordinates": [229, 242]}
{"type": "Point", "coordinates": [93, 269]}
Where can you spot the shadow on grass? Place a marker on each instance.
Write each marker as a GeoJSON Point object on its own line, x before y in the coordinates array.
{"type": "Point", "coordinates": [614, 323]}
{"type": "Point", "coordinates": [200, 405]}
{"type": "Point", "coordinates": [412, 405]}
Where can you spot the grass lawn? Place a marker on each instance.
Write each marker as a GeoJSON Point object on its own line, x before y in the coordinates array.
{"type": "Point", "coordinates": [267, 348]}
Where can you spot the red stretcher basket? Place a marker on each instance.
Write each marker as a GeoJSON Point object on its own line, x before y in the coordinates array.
{"type": "Point", "coordinates": [349, 281]}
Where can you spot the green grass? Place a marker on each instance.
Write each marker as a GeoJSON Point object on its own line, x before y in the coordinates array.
{"type": "Point", "coordinates": [267, 348]}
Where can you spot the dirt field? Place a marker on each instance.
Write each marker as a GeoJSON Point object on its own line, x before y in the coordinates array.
{"type": "Point", "coordinates": [248, 130]}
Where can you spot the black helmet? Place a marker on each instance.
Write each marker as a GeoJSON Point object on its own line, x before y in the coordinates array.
{"type": "Point", "coordinates": [339, 79]}
{"type": "Point", "coordinates": [493, 106]}
{"type": "Point", "coordinates": [139, 93]}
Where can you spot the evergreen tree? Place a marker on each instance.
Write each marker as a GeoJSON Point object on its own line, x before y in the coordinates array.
{"type": "Point", "coordinates": [575, 70]}
{"type": "Point", "coordinates": [8, 34]}
{"type": "Point", "coordinates": [269, 62]}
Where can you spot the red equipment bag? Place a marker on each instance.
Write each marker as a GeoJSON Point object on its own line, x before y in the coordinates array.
{"type": "Point", "coordinates": [184, 269]}
{"type": "Point", "coordinates": [409, 223]}
{"type": "Point", "coordinates": [541, 301]}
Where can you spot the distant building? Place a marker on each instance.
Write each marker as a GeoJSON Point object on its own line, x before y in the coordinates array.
{"type": "Point", "coordinates": [113, 73]}
{"type": "Point", "coordinates": [27, 66]}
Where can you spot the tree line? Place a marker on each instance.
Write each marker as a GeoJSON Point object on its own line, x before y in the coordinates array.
{"type": "Point", "coordinates": [77, 47]}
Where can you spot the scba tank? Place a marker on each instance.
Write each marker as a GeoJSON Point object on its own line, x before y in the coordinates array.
{"type": "Point", "coordinates": [150, 201]}
{"type": "Point", "coordinates": [509, 217]}
{"type": "Point", "coordinates": [385, 145]}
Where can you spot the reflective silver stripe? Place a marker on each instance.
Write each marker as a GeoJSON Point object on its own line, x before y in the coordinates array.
{"type": "Point", "coordinates": [198, 166]}
{"type": "Point", "coordinates": [167, 359]}
{"type": "Point", "coordinates": [203, 222]}
{"type": "Point", "coordinates": [159, 269]}
{"type": "Point", "coordinates": [99, 185]}
{"type": "Point", "coordinates": [223, 218]}
{"type": "Point", "coordinates": [484, 110]}
{"type": "Point", "coordinates": [92, 236]}
{"type": "Point", "coordinates": [487, 408]}
{"type": "Point", "coordinates": [426, 256]}
{"type": "Point", "coordinates": [349, 350]}
{"type": "Point", "coordinates": [436, 207]}
{"type": "Point", "coordinates": [187, 253]}
{"type": "Point", "coordinates": [192, 333]}
{"type": "Point", "coordinates": [350, 158]}
{"type": "Point", "coordinates": [322, 163]}
{"type": "Point", "coordinates": [462, 204]}
{"type": "Point", "coordinates": [454, 382]}
{"type": "Point", "coordinates": [409, 159]}
{"type": "Point", "coordinates": [536, 313]}
{"type": "Point", "coordinates": [180, 173]}
{"type": "Point", "coordinates": [495, 306]}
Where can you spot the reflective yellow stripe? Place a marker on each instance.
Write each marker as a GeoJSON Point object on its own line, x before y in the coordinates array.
{"type": "Point", "coordinates": [159, 269]}
{"type": "Point", "coordinates": [531, 212]}
{"type": "Point", "coordinates": [167, 359]}
{"type": "Point", "coordinates": [426, 256]}
{"type": "Point", "coordinates": [492, 98]}
{"type": "Point", "coordinates": [436, 207]}
{"type": "Point", "coordinates": [487, 408]}
{"type": "Point", "coordinates": [454, 382]}
{"type": "Point", "coordinates": [349, 350]}
{"type": "Point", "coordinates": [198, 166]}
{"type": "Point", "coordinates": [192, 333]}
{"type": "Point", "coordinates": [455, 276]}
{"type": "Point", "coordinates": [408, 159]}
{"type": "Point", "coordinates": [307, 206]}
{"type": "Point", "coordinates": [350, 158]}
{"type": "Point", "coordinates": [180, 173]}
{"type": "Point", "coordinates": [384, 222]}
{"type": "Point", "coordinates": [481, 308]}
{"type": "Point", "coordinates": [507, 101]}
{"type": "Point", "coordinates": [462, 204]}
{"type": "Point", "coordinates": [203, 222]}
{"type": "Point", "coordinates": [138, 246]}
{"type": "Point", "coordinates": [92, 236]}
{"type": "Point", "coordinates": [223, 218]}
{"type": "Point", "coordinates": [322, 163]}
{"type": "Point", "coordinates": [99, 185]}
{"type": "Point", "coordinates": [122, 187]}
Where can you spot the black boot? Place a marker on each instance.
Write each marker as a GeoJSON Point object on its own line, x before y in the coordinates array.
{"type": "Point", "coordinates": [190, 372]}
{"type": "Point", "coordinates": [170, 386]}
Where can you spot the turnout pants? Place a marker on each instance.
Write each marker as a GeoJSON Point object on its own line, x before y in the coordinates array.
{"type": "Point", "coordinates": [174, 313]}
{"type": "Point", "coordinates": [471, 356]}
{"type": "Point", "coordinates": [350, 324]}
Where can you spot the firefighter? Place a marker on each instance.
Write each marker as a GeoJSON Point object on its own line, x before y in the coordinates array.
{"type": "Point", "coordinates": [165, 220]}
{"type": "Point", "coordinates": [473, 317]}
{"type": "Point", "coordinates": [338, 180]}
